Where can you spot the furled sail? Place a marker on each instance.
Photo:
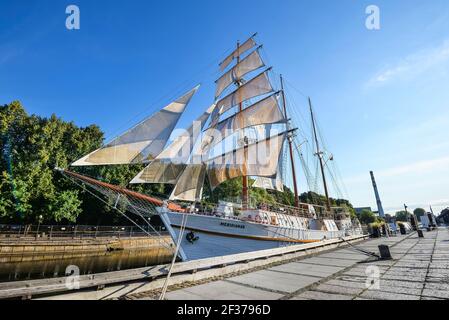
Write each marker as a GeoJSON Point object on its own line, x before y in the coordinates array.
{"type": "Point", "coordinates": [170, 163]}
{"type": "Point", "coordinates": [144, 141]}
{"type": "Point", "coordinates": [258, 159]}
{"type": "Point", "coordinates": [265, 111]}
{"type": "Point", "coordinates": [252, 62]}
{"type": "Point", "coordinates": [247, 45]}
{"type": "Point", "coordinates": [190, 184]}
{"type": "Point", "coordinates": [257, 86]}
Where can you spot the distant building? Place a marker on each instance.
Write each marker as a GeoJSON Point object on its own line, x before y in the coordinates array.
{"type": "Point", "coordinates": [359, 210]}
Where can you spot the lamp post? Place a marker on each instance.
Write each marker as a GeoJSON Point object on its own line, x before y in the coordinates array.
{"type": "Point", "coordinates": [406, 213]}
{"type": "Point", "coordinates": [38, 225]}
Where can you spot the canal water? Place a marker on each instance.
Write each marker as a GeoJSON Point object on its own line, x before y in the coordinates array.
{"type": "Point", "coordinates": [41, 266]}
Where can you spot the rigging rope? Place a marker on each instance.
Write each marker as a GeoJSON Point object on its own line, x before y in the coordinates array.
{"type": "Point", "coordinates": [82, 186]}
{"type": "Point", "coordinates": [175, 255]}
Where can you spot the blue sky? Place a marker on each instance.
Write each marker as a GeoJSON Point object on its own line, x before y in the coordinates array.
{"type": "Point", "coordinates": [381, 97]}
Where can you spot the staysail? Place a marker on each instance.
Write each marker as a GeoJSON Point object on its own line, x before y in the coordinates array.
{"type": "Point", "coordinates": [170, 163]}
{"type": "Point", "coordinates": [190, 184]}
{"type": "Point", "coordinates": [143, 142]}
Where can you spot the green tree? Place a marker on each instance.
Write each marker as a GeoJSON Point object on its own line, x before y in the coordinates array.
{"type": "Point", "coordinates": [367, 217]}
{"type": "Point", "coordinates": [402, 216]}
{"type": "Point", "coordinates": [419, 212]}
{"type": "Point", "coordinates": [30, 148]}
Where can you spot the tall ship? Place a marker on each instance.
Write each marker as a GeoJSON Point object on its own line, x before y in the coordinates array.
{"type": "Point", "coordinates": [246, 134]}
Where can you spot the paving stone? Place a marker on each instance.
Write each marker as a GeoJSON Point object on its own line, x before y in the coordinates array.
{"type": "Point", "coordinates": [271, 280]}
{"type": "Point", "coordinates": [329, 262]}
{"type": "Point", "coordinates": [347, 284]}
{"type": "Point", "coordinates": [401, 284]}
{"type": "Point", "coordinates": [298, 298]}
{"type": "Point", "coordinates": [380, 295]}
{"type": "Point", "coordinates": [442, 294]}
{"type": "Point", "coordinates": [399, 277]}
{"type": "Point", "coordinates": [439, 273]}
{"type": "Point", "coordinates": [316, 295]}
{"type": "Point", "coordinates": [431, 298]}
{"type": "Point", "coordinates": [400, 290]}
{"type": "Point", "coordinates": [222, 290]}
{"type": "Point", "coordinates": [338, 289]}
{"type": "Point", "coordinates": [345, 256]}
{"type": "Point", "coordinates": [413, 264]}
{"type": "Point", "coordinates": [307, 269]}
{"type": "Point", "coordinates": [437, 286]}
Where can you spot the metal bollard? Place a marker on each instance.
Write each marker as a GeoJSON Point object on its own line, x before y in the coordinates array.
{"type": "Point", "coordinates": [385, 252]}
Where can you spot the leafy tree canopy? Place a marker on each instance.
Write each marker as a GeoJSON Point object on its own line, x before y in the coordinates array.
{"type": "Point", "coordinates": [419, 212]}
{"type": "Point", "coordinates": [402, 215]}
{"type": "Point", "coordinates": [367, 217]}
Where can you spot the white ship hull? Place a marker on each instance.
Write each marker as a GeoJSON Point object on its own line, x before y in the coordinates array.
{"type": "Point", "coordinates": [219, 236]}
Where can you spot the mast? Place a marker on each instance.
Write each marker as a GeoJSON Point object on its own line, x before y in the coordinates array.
{"type": "Point", "coordinates": [244, 177]}
{"type": "Point", "coordinates": [295, 186]}
{"type": "Point", "coordinates": [319, 153]}
{"type": "Point", "coordinates": [376, 193]}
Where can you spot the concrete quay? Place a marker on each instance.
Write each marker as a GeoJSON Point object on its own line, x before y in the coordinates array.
{"type": "Point", "coordinates": [419, 270]}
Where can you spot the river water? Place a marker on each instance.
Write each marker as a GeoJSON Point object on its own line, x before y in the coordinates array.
{"type": "Point", "coordinates": [28, 267]}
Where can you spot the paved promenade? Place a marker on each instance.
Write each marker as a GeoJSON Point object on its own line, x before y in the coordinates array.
{"type": "Point", "coordinates": [419, 271]}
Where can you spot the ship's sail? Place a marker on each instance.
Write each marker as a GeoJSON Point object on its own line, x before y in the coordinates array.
{"type": "Point", "coordinates": [257, 159]}
{"type": "Point", "coordinates": [257, 86]}
{"type": "Point", "coordinates": [143, 142]}
{"type": "Point", "coordinates": [252, 62]}
{"type": "Point", "coordinates": [247, 45]}
{"type": "Point", "coordinates": [271, 183]}
{"type": "Point", "coordinates": [265, 111]}
{"type": "Point", "coordinates": [170, 163]}
{"type": "Point", "coordinates": [190, 184]}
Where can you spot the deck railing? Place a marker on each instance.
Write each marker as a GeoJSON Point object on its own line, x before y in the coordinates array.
{"type": "Point", "coordinates": [47, 232]}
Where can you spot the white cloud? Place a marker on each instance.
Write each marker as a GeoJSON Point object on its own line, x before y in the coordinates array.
{"type": "Point", "coordinates": [412, 65]}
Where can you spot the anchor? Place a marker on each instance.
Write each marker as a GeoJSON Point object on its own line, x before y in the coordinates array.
{"type": "Point", "coordinates": [191, 237]}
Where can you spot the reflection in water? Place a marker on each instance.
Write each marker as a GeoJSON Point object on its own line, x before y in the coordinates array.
{"type": "Point", "coordinates": [26, 267]}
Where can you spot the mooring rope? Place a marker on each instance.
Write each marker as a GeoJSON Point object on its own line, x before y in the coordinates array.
{"type": "Point", "coordinates": [372, 254]}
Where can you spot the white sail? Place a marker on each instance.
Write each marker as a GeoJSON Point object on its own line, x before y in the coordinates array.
{"type": "Point", "coordinates": [247, 45]}
{"type": "Point", "coordinates": [144, 141]}
{"type": "Point", "coordinates": [252, 62]}
{"type": "Point", "coordinates": [265, 111]}
{"type": "Point", "coordinates": [269, 183]}
{"type": "Point", "coordinates": [257, 86]}
{"type": "Point", "coordinates": [170, 163]}
{"type": "Point", "coordinates": [258, 159]}
{"type": "Point", "coordinates": [190, 184]}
